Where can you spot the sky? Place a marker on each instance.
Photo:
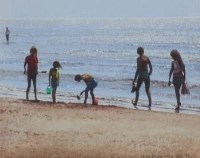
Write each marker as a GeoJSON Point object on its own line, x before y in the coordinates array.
{"type": "Point", "coordinates": [59, 9]}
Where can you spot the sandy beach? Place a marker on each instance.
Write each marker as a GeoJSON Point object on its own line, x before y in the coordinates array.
{"type": "Point", "coordinates": [46, 130]}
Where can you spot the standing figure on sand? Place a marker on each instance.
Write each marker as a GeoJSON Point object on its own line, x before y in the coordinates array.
{"type": "Point", "coordinates": [142, 74]}
{"type": "Point", "coordinates": [178, 70]}
{"type": "Point", "coordinates": [90, 86]}
{"type": "Point", "coordinates": [31, 61]}
{"type": "Point", "coordinates": [54, 78]}
{"type": "Point", "coordinates": [7, 33]}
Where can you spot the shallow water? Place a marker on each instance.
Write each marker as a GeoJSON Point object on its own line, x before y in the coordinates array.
{"type": "Point", "coordinates": [105, 48]}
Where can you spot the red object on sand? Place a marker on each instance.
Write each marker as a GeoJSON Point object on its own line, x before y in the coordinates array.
{"type": "Point", "coordinates": [96, 101]}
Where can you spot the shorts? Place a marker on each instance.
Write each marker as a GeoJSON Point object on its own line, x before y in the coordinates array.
{"type": "Point", "coordinates": [54, 84]}
{"type": "Point", "coordinates": [31, 77]}
{"type": "Point", "coordinates": [143, 77]}
{"type": "Point", "coordinates": [91, 85]}
{"type": "Point", "coordinates": [146, 83]}
{"type": "Point", "coordinates": [177, 81]}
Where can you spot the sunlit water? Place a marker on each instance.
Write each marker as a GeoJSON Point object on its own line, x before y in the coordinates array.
{"type": "Point", "coordinates": [105, 48]}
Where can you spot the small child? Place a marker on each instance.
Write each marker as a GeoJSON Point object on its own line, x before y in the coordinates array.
{"type": "Point", "coordinates": [91, 84]}
{"type": "Point", "coordinates": [54, 79]}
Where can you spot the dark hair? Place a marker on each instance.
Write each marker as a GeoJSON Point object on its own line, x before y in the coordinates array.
{"type": "Point", "coordinates": [56, 64]}
{"type": "Point", "coordinates": [176, 56]}
{"type": "Point", "coordinates": [77, 77]}
{"type": "Point", "coordinates": [140, 50]}
{"type": "Point", "coordinates": [33, 49]}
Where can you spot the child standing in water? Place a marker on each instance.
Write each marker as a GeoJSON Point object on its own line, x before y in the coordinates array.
{"type": "Point", "coordinates": [7, 33]}
{"type": "Point", "coordinates": [91, 84]}
{"type": "Point", "coordinates": [54, 77]}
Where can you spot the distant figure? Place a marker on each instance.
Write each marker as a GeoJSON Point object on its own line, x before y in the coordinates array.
{"type": "Point", "coordinates": [32, 70]}
{"type": "Point", "coordinates": [91, 84]}
{"type": "Point", "coordinates": [7, 33]}
{"type": "Point", "coordinates": [142, 75]}
{"type": "Point", "coordinates": [54, 77]}
{"type": "Point", "coordinates": [178, 70]}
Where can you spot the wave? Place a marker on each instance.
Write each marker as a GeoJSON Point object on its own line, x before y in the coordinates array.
{"type": "Point", "coordinates": [154, 83]}
{"type": "Point", "coordinates": [105, 101]}
{"type": "Point", "coordinates": [105, 78]}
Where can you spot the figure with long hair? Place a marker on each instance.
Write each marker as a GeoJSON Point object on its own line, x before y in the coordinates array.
{"type": "Point", "coordinates": [178, 71]}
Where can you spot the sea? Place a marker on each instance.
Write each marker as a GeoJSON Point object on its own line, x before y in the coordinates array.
{"type": "Point", "coordinates": [107, 49]}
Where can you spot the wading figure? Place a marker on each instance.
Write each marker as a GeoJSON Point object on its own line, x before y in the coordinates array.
{"type": "Point", "coordinates": [142, 75]}
{"type": "Point", "coordinates": [178, 70]}
{"type": "Point", "coordinates": [7, 33]}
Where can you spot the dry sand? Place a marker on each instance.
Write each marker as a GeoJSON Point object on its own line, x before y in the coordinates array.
{"type": "Point", "coordinates": [45, 130]}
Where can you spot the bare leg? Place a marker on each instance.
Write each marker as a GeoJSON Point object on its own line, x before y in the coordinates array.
{"type": "Point", "coordinates": [147, 89]}
{"type": "Point", "coordinates": [28, 88]}
{"type": "Point", "coordinates": [27, 93]}
{"type": "Point", "coordinates": [137, 93]}
{"type": "Point", "coordinates": [54, 95]}
{"type": "Point", "coordinates": [34, 84]}
{"type": "Point", "coordinates": [86, 96]}
{"type": "Point", "coordinates": [177, 92]}
{"type": "Point", "coordinates": [149, 98]}
{"type": "Point", "coordinates": [92, 94]}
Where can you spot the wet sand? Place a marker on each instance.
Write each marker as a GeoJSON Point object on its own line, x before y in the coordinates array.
{"type": "Point", "coordinates": [46, 130]}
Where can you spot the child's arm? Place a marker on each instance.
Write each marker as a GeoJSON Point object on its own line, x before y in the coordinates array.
{"type": "Point", "coordinates": [58, 78]}
{"type": "Point", "coordinates": [50, 72]}
{"type": "Point", "coordinates": [82, 92]}
{"type": "Point", "coordinates": [37, 66]}
{"type": "Point", "coordinates": [150, 67]}
{"type": "Point", "coordinates": [137, 71]}
{"type": "Point", "coordinates": [170, 74]}
{"type": "Point", "coordinates": [184, 72]}
{"type": "Point", "coordinates": [136, 75]}
{"type": "Point", "coordinates": [25, 66]}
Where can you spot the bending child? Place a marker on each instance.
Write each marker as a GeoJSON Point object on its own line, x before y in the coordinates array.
{"type": "Point", "coordinates": [91, 84]}
{"type": "Point", "coordinates": [54, 77]}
